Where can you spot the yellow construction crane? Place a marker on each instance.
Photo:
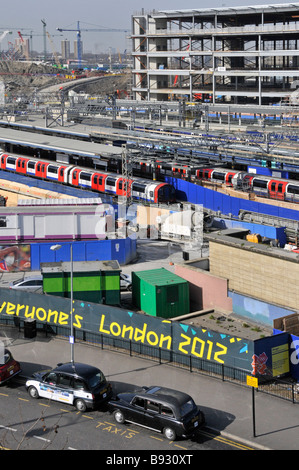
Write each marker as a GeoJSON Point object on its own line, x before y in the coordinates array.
{"type": "Point", "coordinates": [57, 61]}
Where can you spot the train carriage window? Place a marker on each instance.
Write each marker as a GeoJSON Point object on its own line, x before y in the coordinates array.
{"type": "Point", "coordinates": [61, 171]}
{"type": "Point", "coordinates": [259, 183]}
{"type": "Point", "coordinates": [280, 188]}
{"type": "Point", "coordinates": [140, 188]}
{"type": "Point", "coordinates": [52, 169]}
{"type": "Point", "coordinates": [151, 193]}
{"type": "Point", "coordinates": [218, 176]}
{"type": "Point", "coordinates": [273, 186]}
{"type": "Point", "coordinates": [31, 165]}
{"type": "Point", "coordinates": [11, 160]}
{"type": "Point", "coordinates": [110, 181]}
{"type": "Point", "coordinates": [293, 189]}
{"type": "Point", "coordinates": [85, 176]}
{"type": "Point", "coordinates": [38, 167]}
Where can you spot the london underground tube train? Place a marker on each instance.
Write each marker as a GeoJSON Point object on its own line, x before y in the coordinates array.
{"type": "Point", "coordinates": [264, 186]}
{"type": "Point", "coordinates": [109, 183]}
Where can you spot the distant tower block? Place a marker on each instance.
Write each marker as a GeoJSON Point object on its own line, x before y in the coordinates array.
{"type": "Point", "coordinates": [2, 92]}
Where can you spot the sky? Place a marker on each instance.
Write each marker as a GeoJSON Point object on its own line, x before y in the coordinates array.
{"type": "Point", "coordinates": [26, 16]}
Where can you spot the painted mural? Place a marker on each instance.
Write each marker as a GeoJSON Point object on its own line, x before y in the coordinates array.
{"type": "Point", "coordinates": [14, 258]}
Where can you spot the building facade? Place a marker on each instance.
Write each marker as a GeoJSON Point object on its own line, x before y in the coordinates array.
{"type": "Point", "coordinates": [238, 55]}
{"type": "Point", "coordinates": [65, 49]}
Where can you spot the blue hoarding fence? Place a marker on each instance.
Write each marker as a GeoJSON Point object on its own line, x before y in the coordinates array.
{"type": "Point", "coordinates": [216, 201]}
{"type": "Point", "coordinates": [122, 249]}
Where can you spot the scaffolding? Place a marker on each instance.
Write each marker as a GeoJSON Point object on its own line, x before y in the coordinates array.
{"type": "Point", "coordinates": [235, 55]}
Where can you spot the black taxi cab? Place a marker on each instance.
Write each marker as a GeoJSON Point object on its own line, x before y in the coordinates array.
{"type": "Point", "coordinates": [161, 409]}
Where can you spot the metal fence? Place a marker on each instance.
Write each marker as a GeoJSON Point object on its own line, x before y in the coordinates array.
{"type": "Point", "coordinates": [286, 389]}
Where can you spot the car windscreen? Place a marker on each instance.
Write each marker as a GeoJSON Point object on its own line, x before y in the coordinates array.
{"type": "Point", "coordinates": [187, 407]}
{"type": "Point", "coordinates": [96, 379]}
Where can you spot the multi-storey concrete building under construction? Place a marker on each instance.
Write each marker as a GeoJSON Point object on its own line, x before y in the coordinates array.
{"type": "Point", "coordinates": [226, 55]}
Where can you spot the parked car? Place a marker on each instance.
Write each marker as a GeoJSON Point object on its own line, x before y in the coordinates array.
{"type": "Point", "coordinates": [78, 384]}
{"type": "Point", "coordinates": [9, 367]}
{"type": "Point", "coordinates": [125, 281]}
{"type": "Point", "coordinates": [29, 283]}
{"type": "Point", "coordinates": [168, 411]}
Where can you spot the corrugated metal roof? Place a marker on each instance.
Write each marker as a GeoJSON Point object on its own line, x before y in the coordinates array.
{"type": "Point", "coordinates": [60, 202]}
{"type": "Point", "coordinates": [57, 144]}
{"type": "Point", "coordinates": [228, 10]}
{"type": "Point", "coordinates": [80, 266]}
{"type": "Point", "coordinates": [159, 277]}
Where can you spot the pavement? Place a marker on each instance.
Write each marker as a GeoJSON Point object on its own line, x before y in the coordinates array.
{"type": "Point", "coordinates": [227, 407]}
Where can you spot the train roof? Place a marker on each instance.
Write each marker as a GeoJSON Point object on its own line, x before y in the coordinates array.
{"type": "Point", "coordinates": [57, 144]}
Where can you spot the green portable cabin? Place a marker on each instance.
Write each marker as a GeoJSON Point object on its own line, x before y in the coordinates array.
{"type": "Point", "coordinates": [160, 293]}
{"type": "Point", "coordinates": [93, 281]}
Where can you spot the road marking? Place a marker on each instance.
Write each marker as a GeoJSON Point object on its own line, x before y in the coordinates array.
{"type": "Point", "coordinates": [23, 399]}
{"type": "Point", "coordinates": [4, 394]}
{"type": "Point", "coordinates": [157, 438]}
{"type": "Point", "coordinates": [133, 430]}
{"type": "Point", "coordinates": [9, 429]}
{"type": "Point", "coordinates": [42, 438]}
{"type": "Point", "coordinates": [226, 441]}
{"type": "Point", "coordinates": [43, 404]}
{"type": "Point", "coordinates": [180, 447]}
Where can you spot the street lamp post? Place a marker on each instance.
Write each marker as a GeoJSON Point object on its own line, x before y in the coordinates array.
{"type": "Point", "coordinates": [55, 248]}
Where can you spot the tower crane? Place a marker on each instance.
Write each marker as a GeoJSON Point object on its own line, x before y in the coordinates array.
{"type": "Point", "coordinates": [45, 34]}
{"type": "Point", "coordinates": [57, 61]}
{"type": "Point", "coordinates": [32, 34]}
{"type": "Point", "coordinates": [78, 30]}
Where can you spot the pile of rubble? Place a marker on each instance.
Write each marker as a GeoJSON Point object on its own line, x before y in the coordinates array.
{"type": "Point", "coordinates": [23, 79]}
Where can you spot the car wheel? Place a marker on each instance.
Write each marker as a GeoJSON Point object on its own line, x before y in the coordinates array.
{"type": "Point", "coordinates": [169, 433]}
{"type": "Point", "coordinates": [80, 405]}
{"type": "Point", "coordinates": [33, 392]}
{"type": "Point", "coordinates": [119, 416]}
